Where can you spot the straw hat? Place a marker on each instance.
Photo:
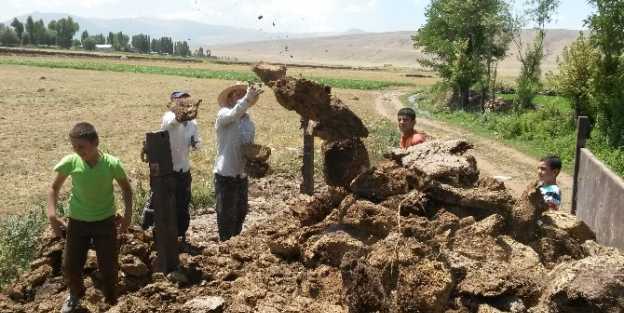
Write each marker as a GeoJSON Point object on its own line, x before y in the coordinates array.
{"type": "Point", "coordinates": [227, 91]}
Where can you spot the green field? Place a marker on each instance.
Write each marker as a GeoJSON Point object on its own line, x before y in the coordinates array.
{"type": "Point", "coordinates": [341, 83]}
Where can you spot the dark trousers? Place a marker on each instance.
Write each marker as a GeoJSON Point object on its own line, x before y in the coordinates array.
{"type": "Point", "coordinates": [232, 207]}
{"type": "Point", "coordinates": [183, 200]}
{"type": "Point", "coordinates": [104, 236]}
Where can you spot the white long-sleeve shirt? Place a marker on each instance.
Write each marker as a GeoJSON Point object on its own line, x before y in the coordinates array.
{"type": "Point", "coordinates": [248, 129]}
{"type": "Point", "coordinates": [181, 136]}
{"type": "Point", "coordinates": [229, 161]}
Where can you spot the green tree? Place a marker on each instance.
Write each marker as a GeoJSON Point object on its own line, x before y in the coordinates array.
{"type": "Point", "coordinates": [182, 49]}
{"type": "Point", "coordinates": [66, 29]}
{"type": "Point", "coordinates": [607, 29]}
{"type": "Point", "coordinates": [574, 76]}
{"type": "Point", "coordinates": [141, 43]}
{"type": "Point", "coordinates": [532, 55]}
{"type": "Point", "coordinates": [30, 27]}
{"type": "Point", "coordinates": [26, 39]}
{"type": "Point", "coordinates": [39, 34]}
{"type": "Point", "coordinates": [99, 39]}
{"type": "Point", "coordinates": [200, 52]}
{"type": "Point", "coordinates": [166, 45]}
{"type": "Point", "coordinates": [19, 28]}
{"type": "Point", "coordinates": [464, 37]}
{"type": "Point", "coordinates": [51, 37]}
{"type": "Point", "coordinates": [84, 36]}
{"type": "Point", "coordinates": [155, 45]}
{"type": "Point", "coordinates": [89, 43]}
{"type": "Point", "coordinates": [8, 37]}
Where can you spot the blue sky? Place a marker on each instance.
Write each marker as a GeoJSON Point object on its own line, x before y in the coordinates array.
{"type": "Point", "coordinates": [289, 15]}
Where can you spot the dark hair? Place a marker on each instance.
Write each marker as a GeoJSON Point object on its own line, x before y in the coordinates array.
{"type": "Point", "coordinates": [409, 112]}
{"type": "Point", "coordinates": [553, 161]}
{"type": "Point", "coordinates": [84, 130]}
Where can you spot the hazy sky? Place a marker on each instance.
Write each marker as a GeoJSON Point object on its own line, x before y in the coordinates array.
{"type": "Point", "coordinates": [289, 15]}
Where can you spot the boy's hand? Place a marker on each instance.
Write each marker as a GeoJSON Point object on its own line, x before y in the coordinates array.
{"type": "Point", "coordinates": [58, 226]}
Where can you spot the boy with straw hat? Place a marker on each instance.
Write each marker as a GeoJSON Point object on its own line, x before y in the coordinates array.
{"type": "Point", "coordinates": [231, 184]}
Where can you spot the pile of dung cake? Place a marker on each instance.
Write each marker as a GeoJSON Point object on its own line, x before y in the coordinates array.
{"type": "Point", "coordinates": [419, 232]}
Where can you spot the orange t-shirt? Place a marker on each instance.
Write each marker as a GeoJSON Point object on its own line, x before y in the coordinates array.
{"type": "Point", "coordinates": [412, 140]}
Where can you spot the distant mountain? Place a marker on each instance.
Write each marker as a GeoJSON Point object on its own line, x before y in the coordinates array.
{"type": "Point", "coordinates": [199, 34]}
{"type": "Point", "coordinates": [374, 49]}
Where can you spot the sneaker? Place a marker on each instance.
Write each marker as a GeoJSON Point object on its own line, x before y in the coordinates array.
{"type": "Point", "coordinates": [71, 304]}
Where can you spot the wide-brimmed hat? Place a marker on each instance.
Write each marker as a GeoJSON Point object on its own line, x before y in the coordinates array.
{"type": "Point", "coordinates": [227, 91]}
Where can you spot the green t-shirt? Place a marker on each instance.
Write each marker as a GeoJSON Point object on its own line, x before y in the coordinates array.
{"type": "Point", "coordinates": [91, 198]}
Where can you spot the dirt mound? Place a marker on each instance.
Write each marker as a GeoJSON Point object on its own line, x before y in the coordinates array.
{"type": "Point", "coordinates": [423, 233]}
{"type": "Point", "coordinates": [392, 244]}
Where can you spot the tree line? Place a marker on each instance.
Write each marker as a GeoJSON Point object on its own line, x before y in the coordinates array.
{"type": "Point", "coordinates": [465, 41]}
{"type": "Point", "coordinates": [57, 33]}
{"type": "Point", "coordinates": [61, 33]}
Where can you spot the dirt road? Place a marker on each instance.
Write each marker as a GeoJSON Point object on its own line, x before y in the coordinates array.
{"type": "Point", "coordinates": [493, 158]}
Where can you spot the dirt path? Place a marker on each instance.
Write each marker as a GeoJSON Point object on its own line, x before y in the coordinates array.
{"type": "Point", "coordinates": [493, 158]}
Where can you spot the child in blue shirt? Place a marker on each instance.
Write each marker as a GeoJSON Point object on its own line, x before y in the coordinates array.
{"type": "Point", "coordinates": [547, 170]}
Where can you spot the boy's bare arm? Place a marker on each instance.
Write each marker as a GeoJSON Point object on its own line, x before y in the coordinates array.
{"type": "Point", "coordinates": [55, 222]}
{"type": "Point", "coordinates": [126, 190]}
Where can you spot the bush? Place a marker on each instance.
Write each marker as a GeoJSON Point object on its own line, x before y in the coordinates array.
{"type": "Point", "coordinates": [202, 194]}
{"type": "Point", "coordinates": [19, 237]}
{"type": "Point", "coordinates": [384, 135]}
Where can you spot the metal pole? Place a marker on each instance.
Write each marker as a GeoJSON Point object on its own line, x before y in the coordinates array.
{"type": "Point", "coordinates": [582, 133]}
{"type": "Point", "coordinates": [307, 170]}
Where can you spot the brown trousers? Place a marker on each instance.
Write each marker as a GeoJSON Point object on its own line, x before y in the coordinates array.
{"type": "Point", "coordinates": [77, 241]}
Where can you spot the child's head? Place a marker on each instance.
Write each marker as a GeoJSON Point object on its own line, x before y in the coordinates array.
{"type": "Point", "coordinates": [406, 118]}
{"type": "Point", "coordinates": [548, 169]}
{"type": "Point", "coordinates": [84, 140]}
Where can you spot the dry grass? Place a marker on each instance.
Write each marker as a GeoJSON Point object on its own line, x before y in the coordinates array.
{"type": "Point", "coordinates": [38, 112]}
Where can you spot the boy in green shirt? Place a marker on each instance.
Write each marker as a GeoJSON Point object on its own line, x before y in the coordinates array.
{"type": "Point", "coordinates": [91, 212]}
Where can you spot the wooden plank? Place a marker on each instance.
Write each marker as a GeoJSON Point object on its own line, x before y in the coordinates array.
{"type": "Point", "coordinates": [582, 133]}
{"type": "Point", "coordinates": [307, 170]}
{"type": "Point", "coordinates": [158, 153]}
{"type": "Point", "coordinates": [162, 184]}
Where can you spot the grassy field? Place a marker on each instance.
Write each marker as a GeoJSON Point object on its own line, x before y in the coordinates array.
{"type": "Point", "coordinates": [208, 71]}
{"type": "Point", "coordinates": [45, 102]}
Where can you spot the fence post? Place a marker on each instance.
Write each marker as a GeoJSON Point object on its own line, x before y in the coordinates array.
{"type": "Point", "coordinates": [158, 153]}
{"type": "Point", "coordinates": [307, 170]}
{"type": "Point", "coordinates": [582, 133]}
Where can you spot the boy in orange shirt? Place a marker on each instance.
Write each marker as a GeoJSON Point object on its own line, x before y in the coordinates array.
{"type": "Point", "coordinates": [406, 118]}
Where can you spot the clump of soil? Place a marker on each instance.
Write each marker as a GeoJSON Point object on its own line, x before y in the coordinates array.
{"type": "Point", "coordinates": [343, 161]}
{"type": "Point", "coordinates": [185, 109]}
{"type": "Point", "coordinates": [256, 157]}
